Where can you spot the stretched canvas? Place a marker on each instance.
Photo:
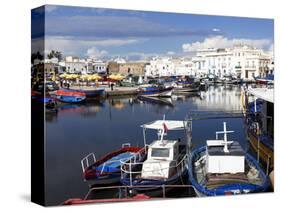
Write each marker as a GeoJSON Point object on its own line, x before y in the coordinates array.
{"type": "Point", "coordinates": [136, 105]}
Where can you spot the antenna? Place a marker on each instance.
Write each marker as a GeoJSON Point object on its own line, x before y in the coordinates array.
{"type": "Point", "coordinates": [225, 142]}
{"type": "Point", "coordinates": [162, 131]}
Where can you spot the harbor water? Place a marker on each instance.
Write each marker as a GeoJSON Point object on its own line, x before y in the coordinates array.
{"type": "Point", "coordinates": [101, 126]}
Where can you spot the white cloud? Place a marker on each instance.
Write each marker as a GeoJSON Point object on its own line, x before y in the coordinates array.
{"type": "Point", "coordinates": [223, 42]}
{"type": "Point", "coordinates": [96, 53]}
{"type": "Point", "coordinates": [69, 45]}
{"type": "Point", "coordinates": [216, 30]}
{"type": "Point", "coordinates": [114, 42]}
{"type": "Point", "coordinates": [171, 53]}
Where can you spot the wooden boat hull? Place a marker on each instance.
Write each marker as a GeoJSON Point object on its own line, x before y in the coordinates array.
{"type": "Point", "coordinates": [265, 153]}
{"type": "Point", "coordinates": [88, 93]}
{"type": "Point", "coordinates": [70, 99]}
{"type": "Point", "coordinates": [155, 189]}
{"type": "Point", "coordinates": [93, 174]}
{"type": "Point", "coordinates": [154, 92]}
{"type": "Point", "coordinates": [139, 197]}
{"type": "Point", "coordinates": [157, 100]}
{"type": "Point", "coordinates": [186, 90]}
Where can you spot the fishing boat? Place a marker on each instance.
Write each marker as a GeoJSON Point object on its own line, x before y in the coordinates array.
{"type": "Point", "coordinates": [157, 100]}
{"type": "Point", "coordinates": [223, 168]}
{"type": "Point", "coordinates": [180, 88]}
{"type": "Point", "coordinates": [156, 90]}
{"type": "Point", "coordinates": [119, 193]}
{"type": "Point", "coordinates": [89, 93]}
{"type": "Point", "coordinates": [78, 201]}
{"type": "Point", "coordinates": [230, 80]}
{"type": "Point", "coordinates": [191, 85]}
{"type": "Point", "coordinates": [164, 165]}
{"type": "Point", "coordinates": [269, 79]}
{"type": "Point", "coordinates": [38, 100]}
{"type": "Point", "coordinates": [259, 118]}
{"type": "Point", "coordinates": [69, 96]}
{"type": "Point", "coordinates": [106, 170]}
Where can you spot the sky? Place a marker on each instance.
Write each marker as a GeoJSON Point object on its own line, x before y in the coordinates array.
{"type": "Point", "coordinates": [136, 35]}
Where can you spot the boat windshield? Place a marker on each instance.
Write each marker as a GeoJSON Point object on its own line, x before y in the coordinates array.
{"type": "Point", "coordinates": [160, 152]}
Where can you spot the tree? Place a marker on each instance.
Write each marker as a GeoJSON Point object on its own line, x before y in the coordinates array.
{"type": "Point", "coordinates": [55, 54]}
{"type": "Point", "coordinates": [35, 56]}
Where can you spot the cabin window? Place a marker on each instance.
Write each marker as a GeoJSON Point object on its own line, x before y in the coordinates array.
{"type": "Point", "coordinates": [160, 152]}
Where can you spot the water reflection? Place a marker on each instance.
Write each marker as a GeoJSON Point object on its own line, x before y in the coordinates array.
{"type": "Point", "coordinates": [221, 98]}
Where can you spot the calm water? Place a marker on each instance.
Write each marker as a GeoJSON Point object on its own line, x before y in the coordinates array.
{"type": "Point", "coordinates": [102, 126]}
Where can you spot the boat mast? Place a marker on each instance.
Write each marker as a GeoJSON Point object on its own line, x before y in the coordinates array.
{"type": "Point", "coordinates": [225, 142]}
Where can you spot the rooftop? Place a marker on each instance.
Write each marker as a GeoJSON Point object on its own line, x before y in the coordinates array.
{"type": "Point", "coordinates": [215, 149]}
{"type": "Point", "coordinates": [266, 94]}
{"type": "Point", "coordinates": [170, 124]}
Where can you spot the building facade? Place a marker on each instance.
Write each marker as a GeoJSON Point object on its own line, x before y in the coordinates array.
{"type": "Point", "coordinates": [127, 68]}
{"type": "Point", "coordinates": [164, 67]}
{"type": "Point", "coordinates": [243, 62]}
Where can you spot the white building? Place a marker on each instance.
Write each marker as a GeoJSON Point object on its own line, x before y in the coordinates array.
{"type": "Point", "coordinates": [161, 67]}
{"type": "Point", "coordinates": [95, 66]}
{"type": "Point", "coordinates": [241, 61]}
{"type": "Point", "coordinates": [74, 65]}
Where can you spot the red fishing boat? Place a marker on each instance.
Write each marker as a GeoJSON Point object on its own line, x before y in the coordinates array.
{"type": "Point", "coordinates": [107, 170]}
{"type": "Point", "coordinates": [69, 96]}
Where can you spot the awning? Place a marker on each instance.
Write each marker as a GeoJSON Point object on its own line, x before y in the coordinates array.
{"type": "Point", "coordinates": [266, 94]}
{"type": "Point", "coordinates": [170, 124]}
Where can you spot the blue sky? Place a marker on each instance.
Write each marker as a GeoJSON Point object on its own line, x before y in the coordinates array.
{"type": "Point", "coordinates": [106, 33]}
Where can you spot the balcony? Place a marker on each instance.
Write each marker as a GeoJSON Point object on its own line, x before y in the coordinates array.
{"type": "Point", "coordinates": [238, 67]}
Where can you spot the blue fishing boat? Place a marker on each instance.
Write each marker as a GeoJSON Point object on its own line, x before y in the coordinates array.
{"type": "Point", "coordinates": [106, 170]}
{"type": "Point", "coordinates": [69, 96]}
{"type": "Point", "coordinates": [164, 165]}
{"type": "Point", "coordinates": [223, 168]}
{"type": "Point", "coordinates": [156, 90]}
{"type": "Point", "coordinates": [91, 93]}
{"type": "Point", "coordinates": [269, 79]}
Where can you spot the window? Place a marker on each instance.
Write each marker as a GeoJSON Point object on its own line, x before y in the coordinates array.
{"type": "Point", "coordinates": [160, 152]}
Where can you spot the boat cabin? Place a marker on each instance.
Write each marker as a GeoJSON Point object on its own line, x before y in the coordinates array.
{"type": "Point", "coordinates": [219, 161]}
{"type": "Point", "coordinates": [224, 156]}
{"type": "Point", "coordinates": [161, 158]}
{"type": "Point", "coordinates": [162, 154]}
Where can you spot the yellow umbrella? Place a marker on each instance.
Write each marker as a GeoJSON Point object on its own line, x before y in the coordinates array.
{"type": "Point", "coordinates": [84, 76]}
{"type": "Point", "coordinates": [68, 76]}
{"type": "Point", "coordinates": [63, 75]}
{"type": "Point", "coordinates": [116, 77]}
{"type": "Point", "coordinates": [74, 76]}
{"type": "Point", "coordinates": [95, 77]}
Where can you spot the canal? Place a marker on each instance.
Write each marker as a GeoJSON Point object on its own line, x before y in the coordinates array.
{"type": "Point", "coordinates": [103, 126]}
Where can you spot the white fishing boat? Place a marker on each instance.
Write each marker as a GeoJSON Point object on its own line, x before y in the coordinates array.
{"type": "Point", "coordinates": [222, 168]}
{"type": "Point", "coordinates": [156, 91]}
{"type": "Point", "coordinates": [165, 163]}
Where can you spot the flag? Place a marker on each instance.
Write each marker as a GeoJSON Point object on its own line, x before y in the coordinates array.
{"type": "Point", "coordinates": [165, 128]}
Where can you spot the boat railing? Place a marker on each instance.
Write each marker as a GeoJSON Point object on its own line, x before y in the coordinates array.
{"type": "Point", "coordinates": [128, 189]}
{"type": "Point", "coordinates": [85, 162]}
{"type": "Point", "coordinates": [127, 167]}
{"type": "Point", "coordinates": [126, 145]}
